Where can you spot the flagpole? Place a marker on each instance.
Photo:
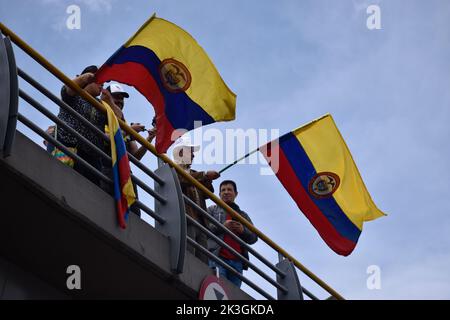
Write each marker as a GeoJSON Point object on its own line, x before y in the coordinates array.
{"type": "Point", "coordinates": [142, 27]}
{"type": "Point", "coordinates": [236, 161]}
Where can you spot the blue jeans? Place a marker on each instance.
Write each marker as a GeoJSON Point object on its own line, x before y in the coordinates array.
{"type": "Point", "coordinates": [235, 264]}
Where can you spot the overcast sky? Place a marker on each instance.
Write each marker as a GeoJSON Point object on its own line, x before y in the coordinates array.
{"type": "Point", "coordinates": [290, 62]}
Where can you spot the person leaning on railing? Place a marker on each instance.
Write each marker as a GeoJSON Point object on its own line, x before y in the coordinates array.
{"type": "Point", "coordinates": [183, 154]}
{"type": "Point", "coordinates": [85, 80]}
{"type": "Point", "coordinates": [228, 193]}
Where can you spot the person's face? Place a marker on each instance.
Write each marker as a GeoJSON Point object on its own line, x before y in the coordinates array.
{"type": "Point", "coordinates": [187, 155]}
{"type": "Point", "coordinates": [119, 100]}
{"type": "Point", "coordinates": [94, 89]}
{"type": "Point", "coordinates": [227, 193]}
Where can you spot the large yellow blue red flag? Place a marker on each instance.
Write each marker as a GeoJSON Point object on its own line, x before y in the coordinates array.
{"type": "Point", "coordinates": [316, 168]}
{"type": "Point", "coordinates": [165, 64]}
{"type": "Point", "coordinates": [124, 195]}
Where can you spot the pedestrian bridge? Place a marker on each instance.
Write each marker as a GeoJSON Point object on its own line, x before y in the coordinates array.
{"type": "Point", "coordinates": [54, 219]}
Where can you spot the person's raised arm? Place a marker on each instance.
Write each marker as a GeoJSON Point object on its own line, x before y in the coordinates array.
{"type": "Point", "coordinates": [82, 81]}
{"type": "Point", "coordinates": [138, 153]}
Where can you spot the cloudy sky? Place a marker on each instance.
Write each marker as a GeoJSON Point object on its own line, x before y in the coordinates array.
{"type": "Point", "coordinates": [290, 62]}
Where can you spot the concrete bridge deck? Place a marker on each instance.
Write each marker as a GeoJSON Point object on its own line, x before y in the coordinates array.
{"type": "Point", "coordinates": [52, 217]}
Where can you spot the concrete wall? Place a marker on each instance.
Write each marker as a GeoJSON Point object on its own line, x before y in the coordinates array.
{"type": "Point", "coordinates": [18, 284]}
{"type": "Point", "coordinates": [52, 218]}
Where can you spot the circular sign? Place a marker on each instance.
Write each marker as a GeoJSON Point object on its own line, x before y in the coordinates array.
{"type": "Point", "coordinates": [323, 184]}
{"type": "Point", "coordinates": [174, 75]}
{"type": "Point", "coordinates": [212, 289]}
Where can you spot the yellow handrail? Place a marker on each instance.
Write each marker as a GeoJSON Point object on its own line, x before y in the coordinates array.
{"type": "Point", "coordinates": [61, 76]}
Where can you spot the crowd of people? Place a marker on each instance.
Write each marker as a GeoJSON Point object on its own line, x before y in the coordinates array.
{"type": "Point", "coordinates": [183, 154]}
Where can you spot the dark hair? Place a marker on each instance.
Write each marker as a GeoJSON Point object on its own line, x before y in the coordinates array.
{"type": "Point", "coordinates": [228, 182]}
{"type": "Point", "coordinates": [91, 69]}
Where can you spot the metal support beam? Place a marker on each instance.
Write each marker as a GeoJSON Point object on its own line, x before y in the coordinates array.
{"type": "Point", "coordinates": [290, 281]}
{"type": "Point", "coordinates": [173, 211]}
{"type": "Point", "coordinates": [9, 98]}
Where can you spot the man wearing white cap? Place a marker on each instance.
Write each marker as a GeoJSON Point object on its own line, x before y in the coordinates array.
{"type": "Point", "coordinates": [183, 154]}
{"type": "Point", "coordinates": [115, 96]}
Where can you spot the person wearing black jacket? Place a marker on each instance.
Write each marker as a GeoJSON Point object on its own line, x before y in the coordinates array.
{"type": "Point", "coordinates": [228, 193]}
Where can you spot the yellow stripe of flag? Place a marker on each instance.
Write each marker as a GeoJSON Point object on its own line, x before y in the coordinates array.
{"type": "Point", "coordinates": [328, 152]}
{"type": "Point", "coordinates": [168, 41]}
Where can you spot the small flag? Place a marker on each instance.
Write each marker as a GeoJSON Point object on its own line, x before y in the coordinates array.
{"type": "Point", "coordinates": [124, 195]}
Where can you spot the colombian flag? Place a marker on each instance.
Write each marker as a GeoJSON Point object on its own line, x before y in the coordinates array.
{"type": "Point", "coordinates": [165, 64]}
{"type": "Point", "coordinates": [123, 188]}
{"type": "Point", "coordinates": [316, 168]}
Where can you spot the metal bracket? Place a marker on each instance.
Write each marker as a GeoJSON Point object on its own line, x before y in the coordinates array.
{"type": "Point", "coordinates": [291, 281]}
{"type": "Point", "coordinates": [173, 211]}
{"type": "Point", "coordinates": [4, 92]}
{"type": "Point", "coordinates": [9, 96]}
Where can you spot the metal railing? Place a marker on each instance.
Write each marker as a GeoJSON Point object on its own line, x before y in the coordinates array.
{"type": "Point", "coordinates": [79, 91]}
{"type": "Point", "coordinates": [39, 107]}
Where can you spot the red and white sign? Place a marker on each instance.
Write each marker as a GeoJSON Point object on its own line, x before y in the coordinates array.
{"type": "Point", "coordinates": [212, 289]}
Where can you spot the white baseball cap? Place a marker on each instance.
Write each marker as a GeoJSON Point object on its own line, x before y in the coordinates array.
{"type": "Point", "coordinates": [117, 88]}
{"type": "Point", "coordinates": [185, 141]}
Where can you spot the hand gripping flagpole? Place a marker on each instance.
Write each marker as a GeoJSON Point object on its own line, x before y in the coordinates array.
{"type": "Point", "coordinates": [236, 161]}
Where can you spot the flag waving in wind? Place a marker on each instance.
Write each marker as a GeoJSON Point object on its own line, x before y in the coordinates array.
{"type": "Point", "coordinates": [165, 64]}
{"type": "Point", "coordinates": [316, 168]}
{"type": "Point", "coordinates": [124, 195]}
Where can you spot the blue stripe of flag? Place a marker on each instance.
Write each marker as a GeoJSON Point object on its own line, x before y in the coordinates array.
{"type": "Point", "coordinates": [305, 171]}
